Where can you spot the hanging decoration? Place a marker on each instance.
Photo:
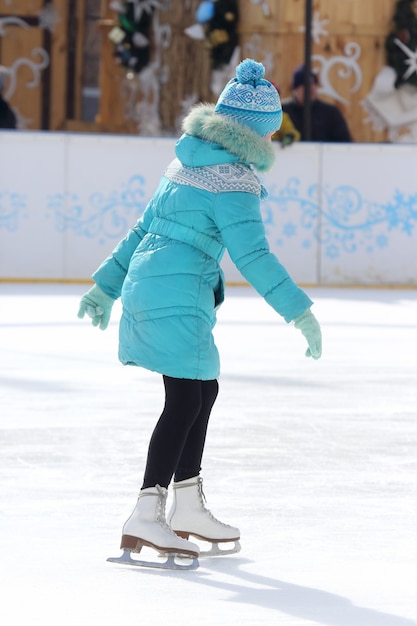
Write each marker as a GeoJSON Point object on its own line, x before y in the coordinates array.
{"type": "Point", "coordinates": [401, 43]}
{"type": "Point", "coordinates": [391, 105]}
{"type": "Point", "coordinates": [217, 22]}
{"type": "Point", "coordinates": [219, 19]}
{"type": "Point", "coordinates": [141, 90]}
{"type": "Point", "coordinates": [131, 35]}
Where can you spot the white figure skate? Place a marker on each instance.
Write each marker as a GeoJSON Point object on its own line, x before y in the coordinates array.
{"type": "Point", "coordinates": [189, 516]}
{"type": "Point", "coordinates": [147, 526]}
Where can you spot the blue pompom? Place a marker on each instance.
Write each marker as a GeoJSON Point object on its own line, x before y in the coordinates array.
{"type": "Point", "coordinates": [250, 71]}
{"type": "Point", "coordinates": [204, 12]}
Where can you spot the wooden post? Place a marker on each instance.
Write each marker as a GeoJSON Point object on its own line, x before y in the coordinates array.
{"type": "Point", "coordinates": [307, 71]}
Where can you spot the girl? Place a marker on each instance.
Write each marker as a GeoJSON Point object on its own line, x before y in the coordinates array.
{"type": "Point", "coordinates": [168, 275]}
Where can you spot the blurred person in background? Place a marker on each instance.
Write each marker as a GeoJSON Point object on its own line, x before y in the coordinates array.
{"type": "Point", "coordinates": [327, 122]}
{"type": "Point", "coordinates": [287, 133]}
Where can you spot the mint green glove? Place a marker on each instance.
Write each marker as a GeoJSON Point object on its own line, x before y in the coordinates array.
{"type": "Point", "coordinates": [97, 305]}
{"type": "Point", "coordinates": [310, 328]}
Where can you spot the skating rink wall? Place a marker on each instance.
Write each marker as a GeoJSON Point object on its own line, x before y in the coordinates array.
{"type": "Point", "coordinates": [335, 214]}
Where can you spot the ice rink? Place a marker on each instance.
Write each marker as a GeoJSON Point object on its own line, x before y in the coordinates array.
{"type": "Point", "coordinates": [315, 461]}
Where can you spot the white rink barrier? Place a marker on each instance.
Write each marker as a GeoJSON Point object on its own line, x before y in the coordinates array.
{"type": "Point", "coordinates": [341, 214]}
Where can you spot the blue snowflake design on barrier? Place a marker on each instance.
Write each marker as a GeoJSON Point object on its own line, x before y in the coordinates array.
{"type": "Point", "coordinates": [102, 217]}
{"type": "Point", "coordinates": [345, 223]}
{"type": "Point", "coordinates": [12, 209]}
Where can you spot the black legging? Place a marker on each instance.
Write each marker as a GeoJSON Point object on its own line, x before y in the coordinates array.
{"type": "Point", "coordinates": [177, 442]}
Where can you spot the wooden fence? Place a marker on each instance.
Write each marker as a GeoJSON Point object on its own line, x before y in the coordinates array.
{"type": "Point", "coordinates": [348, 52]}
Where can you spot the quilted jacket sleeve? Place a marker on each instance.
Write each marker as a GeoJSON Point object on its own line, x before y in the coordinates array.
{"type": "Point", "coordinates": [239, 220]}
{"type": "Point", "coordinates": [112, 272]}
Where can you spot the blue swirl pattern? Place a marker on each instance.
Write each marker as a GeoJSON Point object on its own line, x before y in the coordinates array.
{"type": "Point", "coordinates": [105, 217]}
{"type": "Point", "coordinates": [12, 208]}
{"type": "Point", "coordinates": [345, 223]}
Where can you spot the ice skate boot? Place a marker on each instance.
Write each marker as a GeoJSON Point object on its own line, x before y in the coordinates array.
{"type": "Point", "coordinates": [147, 526]}
{"type": "Point", "coordinates": [189, 516]}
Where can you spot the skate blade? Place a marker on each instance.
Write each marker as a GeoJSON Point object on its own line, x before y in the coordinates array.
{"type": "Point", "coordinates": [215, 550]}
{"type": "Point", "coordinates": [171, 563]}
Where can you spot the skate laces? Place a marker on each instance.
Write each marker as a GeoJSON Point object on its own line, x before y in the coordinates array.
{"type": "Point", "coordinates": [160, 515]}
{"type": "Point", "coordinates": [203, 501]}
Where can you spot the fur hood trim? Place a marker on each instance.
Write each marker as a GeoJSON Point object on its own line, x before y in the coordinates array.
{"type": "Point", "coordinates": [238, 139]}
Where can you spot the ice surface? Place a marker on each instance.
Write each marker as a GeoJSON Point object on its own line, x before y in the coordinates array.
{"type": "Point", "coordinates": [314, 461]}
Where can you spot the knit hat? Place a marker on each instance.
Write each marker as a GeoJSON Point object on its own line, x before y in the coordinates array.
{"type": "Point", "coordinates": [298, 77]}
{"type": "Point", "coordinates": [251, 100]}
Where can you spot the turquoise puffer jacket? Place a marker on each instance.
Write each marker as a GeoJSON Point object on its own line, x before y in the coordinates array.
{"type": "Point", "coordinates": [167, 268]}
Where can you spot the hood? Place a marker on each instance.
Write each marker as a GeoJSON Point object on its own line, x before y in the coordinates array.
{"type": "Point", "coordinates": [211, 138]}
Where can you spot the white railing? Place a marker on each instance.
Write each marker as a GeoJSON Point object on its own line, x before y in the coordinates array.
{"type": "Point", "coordinates": [336, 214]}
